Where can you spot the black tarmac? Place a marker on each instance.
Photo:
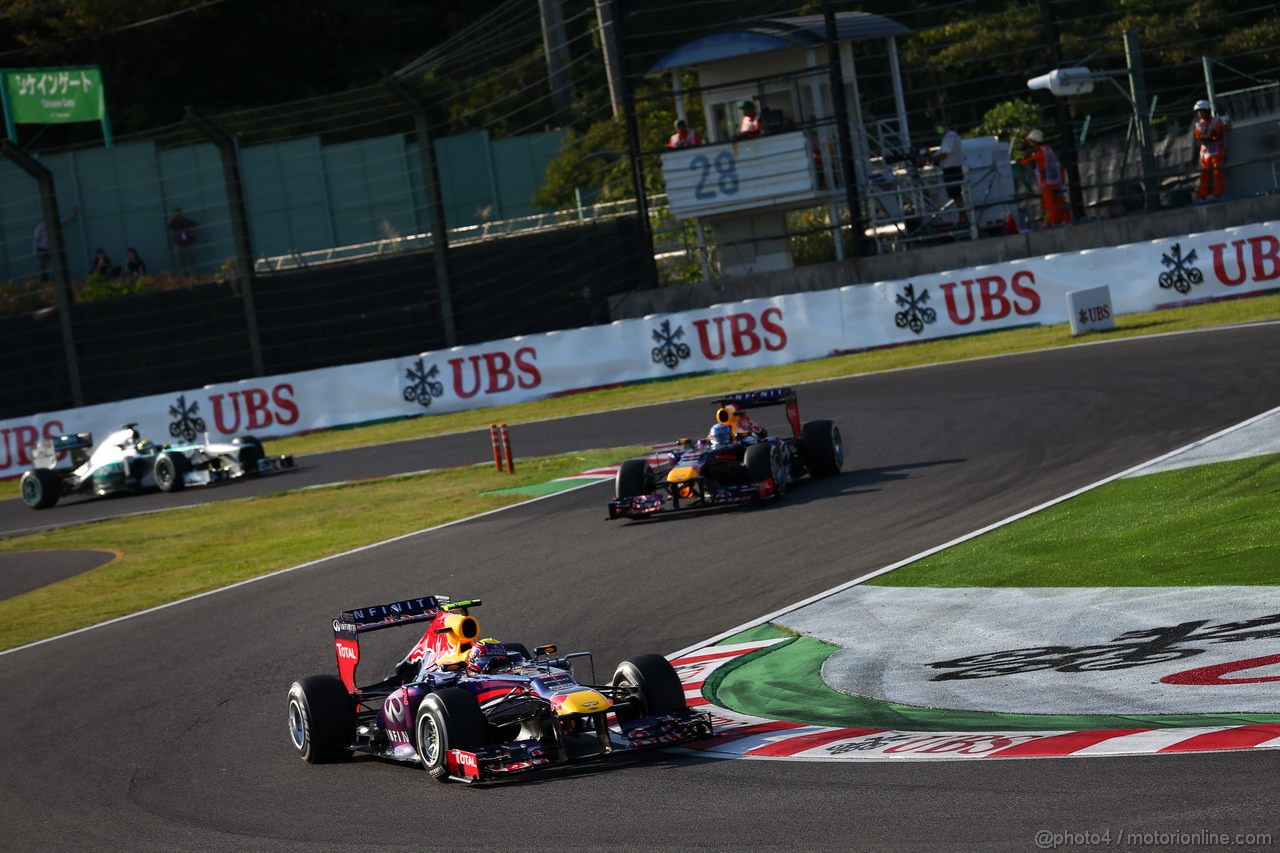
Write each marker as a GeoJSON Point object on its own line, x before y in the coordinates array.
{"type": "Point", "coordinates": [168, 732]}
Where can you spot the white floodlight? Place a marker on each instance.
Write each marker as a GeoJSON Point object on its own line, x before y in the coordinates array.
{"type": "Point", "coordinates": [1064, 81]}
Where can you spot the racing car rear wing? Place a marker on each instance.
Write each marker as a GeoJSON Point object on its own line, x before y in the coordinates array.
{"type": "Point", "coordinates": [350, 624]}
{"type": "Point", "coordinates": [744, 400]}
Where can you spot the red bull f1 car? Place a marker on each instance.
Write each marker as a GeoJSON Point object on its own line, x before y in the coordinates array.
{"type": "Point", "coordinates": [126, 462]}
{"type": "Point", "coordinates": [739, 462]}
{"type": "Point", "coordinates": [471, 709]}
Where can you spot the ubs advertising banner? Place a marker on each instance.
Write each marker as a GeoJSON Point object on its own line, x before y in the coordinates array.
{"type": "Point", "coordinates": [730, 336]}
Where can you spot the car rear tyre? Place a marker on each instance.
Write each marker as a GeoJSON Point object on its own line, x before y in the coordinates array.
{"type": "Point", "coordinates": [251, 453]}
{"type": "Point", "coordinates": [448, 719]}
{"type": "Point", "coordinates": [170, 471]}
{"type": "Point", "coordinates": [634, 479]}
{"type": "Point", "coordinates": [823, 448]}
{"type": "Point", "coordinates": [322, 720]}
{"type": "Point", "coordinates": [41, 488]}
{"type": "Point", "coordinates": [651, 684]}
{"type": "Point", "coordinates": [764, 462]}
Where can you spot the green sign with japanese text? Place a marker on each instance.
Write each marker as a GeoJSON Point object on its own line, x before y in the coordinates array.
{"type": "Point", "coordinates": [54, 95]}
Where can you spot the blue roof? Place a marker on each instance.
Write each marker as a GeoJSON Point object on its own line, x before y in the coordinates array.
{"type": "Point", "coordinates": [748, 37]}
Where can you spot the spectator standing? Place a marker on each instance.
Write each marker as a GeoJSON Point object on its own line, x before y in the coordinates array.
{"type": "Point", "coordinates": [134, 266]}
{"type": "Point", "coordinates": [40, 243]}
{"type": "Point", "coordinates": [1211, 135]}
{"type": "Point", "coordinates": [101, 265]}
{"type": "Point", "coordinates": [182, 232]}
{"type": "Point", "coordinates": [950, 159]}
{"type": "Point", "coordinates": [1048, 172]}
{"type": "Point", "coordinates": [684, 137]}
{"type": "Point", "coordinates": [750, 124]}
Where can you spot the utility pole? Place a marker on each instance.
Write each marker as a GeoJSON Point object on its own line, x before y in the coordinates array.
{"type": "Point", "coordinates": [610, 44]}
{"type": "Point", "coordinates": [1138, 91]}
{"type": "Point", "coordinates": [633, 133]}
{"type": "Point", "coordinates": [842, 132]}
{"type": "Point", "coordinates": [57, 256]}
{"type": "Point", "coordinates": [239, 230]}
{"type": "Point", "coordinates": [553, 45]}
{"type": "Point", "coordinates": [435, 204]}
{"type": "Point", "coordinates": [1069, 160]}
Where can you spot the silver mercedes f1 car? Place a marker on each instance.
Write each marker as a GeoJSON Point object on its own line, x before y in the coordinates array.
{"type": "Point", "coordinates": [126, 462]}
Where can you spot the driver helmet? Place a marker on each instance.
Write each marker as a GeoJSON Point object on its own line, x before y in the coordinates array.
{"type": "Point", "coordinates": [488, 656]}
{"type": "Point", "coordinates": [721, 435]}
{"type": "Point", "coordinates": [146, 447]}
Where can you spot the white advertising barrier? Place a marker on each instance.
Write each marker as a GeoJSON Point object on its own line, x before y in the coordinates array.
{"type": "Point", "coordinates": [1090, 310]}
{"type": "Point", "coordinates": [730, 336]}
{"type": "Point", "coordinates": [1032, 291]}
{"type": "Point", "coordinates": [726, 337]}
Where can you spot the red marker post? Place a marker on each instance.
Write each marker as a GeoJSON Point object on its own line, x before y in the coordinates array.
{"type": "Point", "coordinates": [506, 448]}
{"type": "Point", "coordinates": [500, 438]}
{"type": "Point", "coordinates": [496, 440]}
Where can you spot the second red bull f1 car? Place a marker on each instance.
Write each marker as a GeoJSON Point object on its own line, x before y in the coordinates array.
{"type": "Point", "coordinates": [739, 462]}
{"type": "Point", "coordinates": [471, 709]}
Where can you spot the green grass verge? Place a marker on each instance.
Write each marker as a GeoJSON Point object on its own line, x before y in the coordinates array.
{"type": "Point", "coordinates": [1215, 524]}
{"type": "Point", "coordinates": [166, 556]}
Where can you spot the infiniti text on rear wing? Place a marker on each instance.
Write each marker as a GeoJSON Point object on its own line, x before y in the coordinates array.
{"type": "Point", "coordinates": [744, 400]}
{"type": "Point", "coordinates": [350, 624]}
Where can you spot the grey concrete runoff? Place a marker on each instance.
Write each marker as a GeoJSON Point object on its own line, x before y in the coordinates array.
{"type": "Point", "coordinates": [1257, 437]}
{"type": "Point", "coordinates": [1110, 650]}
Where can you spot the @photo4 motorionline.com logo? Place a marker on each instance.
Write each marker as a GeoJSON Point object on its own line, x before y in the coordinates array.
{"type": "Point", "coordinates": [1122, 838]}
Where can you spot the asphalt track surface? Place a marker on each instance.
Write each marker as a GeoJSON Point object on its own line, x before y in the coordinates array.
{"type": "Point", "coordinates": [167, 732]}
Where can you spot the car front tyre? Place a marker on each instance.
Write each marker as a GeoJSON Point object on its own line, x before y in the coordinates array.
{"type": "Point", "coordinates": [448, 719]}
{"type": "Point", "coordinates": [764, 462]}
{"type": "Point", "coordinates": [651, 684]}
{"type": "Point", "coordinates": [633, 479]}
{"type": "Point", "coordinates": [170, 471]}
{"type": "Point", "coordinates": [251, 453]}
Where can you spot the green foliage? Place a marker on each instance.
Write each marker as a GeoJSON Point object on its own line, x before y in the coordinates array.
{"type": "Point", "coordinates": [595, 163]}
{"type": "Point", "coordinates": [809, 236]}
{"type": "Point", "coordinates": [1011, 121]}
{"type": "Point", "coordinates": [97, 287]}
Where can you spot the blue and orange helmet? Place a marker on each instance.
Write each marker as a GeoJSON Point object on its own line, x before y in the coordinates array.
{"type": "Point", "coordinates": [488, 656]}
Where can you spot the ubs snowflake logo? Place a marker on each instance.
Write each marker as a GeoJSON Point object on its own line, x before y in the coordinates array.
{"type": "Point", "coordinates": [669, 351]}
{"type": "Point", "coordinates": [914, 315]}
{"type": "Point", "coordinates": [1180, 275]}
{"type": "Point", "coordinates": [188, 423]}
{"type": "Point", "coordinates": [423, 384]}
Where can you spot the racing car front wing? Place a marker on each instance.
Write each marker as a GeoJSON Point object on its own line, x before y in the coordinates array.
{"type": "Point", "coordinates": [646, 505]}
{"type": "Point", "coordinates": [496, 760]}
